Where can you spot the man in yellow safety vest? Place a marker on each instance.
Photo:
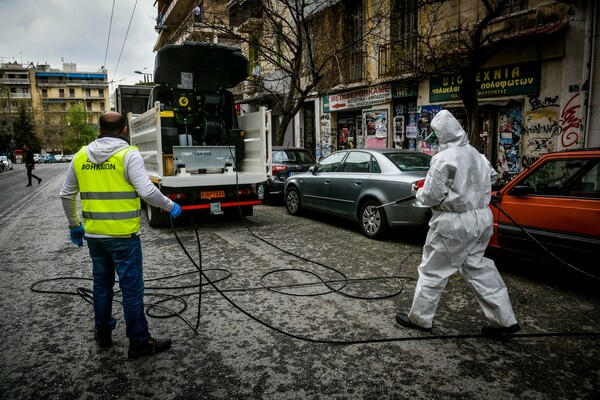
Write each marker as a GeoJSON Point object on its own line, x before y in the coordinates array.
{"type": "Point", "coordinates": [110, 177]}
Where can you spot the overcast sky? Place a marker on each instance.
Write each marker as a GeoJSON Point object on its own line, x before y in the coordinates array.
{"type": "Point", "coordinates": [77, 31]}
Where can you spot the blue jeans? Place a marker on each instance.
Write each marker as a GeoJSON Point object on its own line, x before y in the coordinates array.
{"type": "Point", "coordinates": [125, 257]}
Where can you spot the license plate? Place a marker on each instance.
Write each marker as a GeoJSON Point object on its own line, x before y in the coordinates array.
{"type": "Point", "coordinates": [294, 173]}
{"type": "Point", "coordinates": [215, 194]}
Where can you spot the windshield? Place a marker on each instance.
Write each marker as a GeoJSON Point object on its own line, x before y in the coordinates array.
{"type": "Point", "coordinates": [414, 161]}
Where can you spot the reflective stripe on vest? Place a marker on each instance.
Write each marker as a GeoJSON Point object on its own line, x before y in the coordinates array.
{"type": "Point", "coordinates": [109, 204]}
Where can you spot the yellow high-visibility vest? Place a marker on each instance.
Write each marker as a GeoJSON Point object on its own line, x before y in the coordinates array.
{"type": "Point", "coordinates": [109, 204]}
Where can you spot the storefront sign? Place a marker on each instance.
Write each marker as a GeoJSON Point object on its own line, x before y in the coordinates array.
{"type": "Point", "coordinates": [358, 98]}
{"type": "Point", "coordinates": [404, 91]}
{"type": "Point", "coordinates": [507, 80]}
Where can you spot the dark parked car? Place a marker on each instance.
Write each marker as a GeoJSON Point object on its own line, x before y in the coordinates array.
{"type": "Point", "coordinates": [285, 163]}
{"type": "Point", "coordinates": [557, 200]}
{"type": "Point", "coordinates": [354, 183]}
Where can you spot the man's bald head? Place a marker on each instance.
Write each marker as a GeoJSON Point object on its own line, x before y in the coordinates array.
{"type": "Point", "coordinates": [112, 123]}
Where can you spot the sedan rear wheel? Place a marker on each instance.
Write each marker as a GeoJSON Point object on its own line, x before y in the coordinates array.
{"type": "Point", "coordinates": [373, 221]}
{"type": "Point", "coordinates": [292, 201]}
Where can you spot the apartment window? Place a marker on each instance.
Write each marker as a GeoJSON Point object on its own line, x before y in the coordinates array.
{"type": "Point", "coordinates": [45, 93]}
{"type": "Point", "coordinates": [397, 56]}
{"type": "Point", "coordinates": [101, 92]}
{"type": "Point", "coordinates": [355, 19]}
{"type": "Point", "coordinates": [403, 19]}
{"type": "Point", "coordinates": [88, 93]}
{"type": "Point", "coordinates": [88, 105]}
{"type": "Point", "coordinates": [354, 60]}
{"type": "Point", "coordinates": [61, 93]}
{"type": "Point", "coordinates": [71, 92]}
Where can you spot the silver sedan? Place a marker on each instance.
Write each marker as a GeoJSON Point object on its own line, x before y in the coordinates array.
{"type": "Point", "coordinates": [364, 185]}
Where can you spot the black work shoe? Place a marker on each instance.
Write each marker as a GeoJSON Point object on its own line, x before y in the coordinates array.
{"type": "Point", "coordinates": [40, 181]}
{"type": "Point", "coordinates": [403, 320]}
{"type": "Point", "coordinates": [28, 185]}
{"type": "Point", "coordinates": [104, 338]}
{"type": "Point", "coordinates": [148, 348]}
{"type": "Point", "coordinates": [495, 332]}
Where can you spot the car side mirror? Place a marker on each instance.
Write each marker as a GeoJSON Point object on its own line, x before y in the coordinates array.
{"type": "Point", "coordinates": [522, 190]}
{"type": "Point", "coordinates": [311, 169]}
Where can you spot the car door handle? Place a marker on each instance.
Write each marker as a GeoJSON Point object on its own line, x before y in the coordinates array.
{"type": "Point", "coordinates": [357, 183]}
{"type": "Point", "coordinates": [327, 181]}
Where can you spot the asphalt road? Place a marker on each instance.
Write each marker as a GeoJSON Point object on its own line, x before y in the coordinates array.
{"type": "Point", "coordinates": [325, 345]}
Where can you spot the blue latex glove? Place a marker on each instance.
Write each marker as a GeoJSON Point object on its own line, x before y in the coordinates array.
{"type": "Point", "coordinates": [77, 235]}
{"type": "Point", "coordinates": [175, 211]}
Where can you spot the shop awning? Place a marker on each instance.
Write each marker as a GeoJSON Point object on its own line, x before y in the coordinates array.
{"type": "Point", "coordinates": [550, 29]}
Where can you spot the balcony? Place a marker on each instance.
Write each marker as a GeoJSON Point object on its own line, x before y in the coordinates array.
{"type": "Point", "coordinates": [14, 96]}
{"type": "Point", "coordinates": [13, 81]}
{"type": "Point", "coordinates": [245, 13]}
{"type": "Point", "coordinates": [398, 57]}
{"type": "Point", "coordinates": [353, 67]}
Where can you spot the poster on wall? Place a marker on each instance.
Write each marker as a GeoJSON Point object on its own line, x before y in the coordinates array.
{"type": "Point", "coordinates": [324, 146]}
{"type": "Point", "coordinates": [411, 128]}
{"type": "Point", "coordinates": [398, 131]}
{"type": "Point", "coordinates": [375, 128]}
{"type": "Point", "coordinates": [426, 114]}
{"type": "Point", "coordinates": [509, 141]}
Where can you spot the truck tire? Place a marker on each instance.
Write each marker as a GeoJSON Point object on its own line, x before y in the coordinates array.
{"type": "Point", "coordinates": [156, 217]}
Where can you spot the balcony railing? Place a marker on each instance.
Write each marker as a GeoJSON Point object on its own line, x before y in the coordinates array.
{"type": "Point", "coordinates": [353, 67]}
{"type": "Point", "coordinates": [13, 81]}
{"type": "Point", "coordinates": [398, 57]}
{"type": "Point", "coordinates": [13, 96]}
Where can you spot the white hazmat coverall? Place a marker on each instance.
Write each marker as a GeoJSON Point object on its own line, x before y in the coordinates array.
{"type": "Point", "coordinates": [458, 190]}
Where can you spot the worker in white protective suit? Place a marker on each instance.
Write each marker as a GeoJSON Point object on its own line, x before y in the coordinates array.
{"type": "Point", "coordinates": [458, 190]}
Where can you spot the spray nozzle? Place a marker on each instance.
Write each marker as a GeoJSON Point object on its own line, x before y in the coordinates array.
{"type": "Point", "coordinates": [431, 138]}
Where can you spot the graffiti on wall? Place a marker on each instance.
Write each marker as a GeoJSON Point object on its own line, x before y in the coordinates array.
{"type": "Point", "coordinates": [570, 123]}
{"type": "Point", "coordinates": [549, 128]}
{"type": "Point", "coordinates": [325, 147]}
{"type": "Point", "coordinates": [541, 127]}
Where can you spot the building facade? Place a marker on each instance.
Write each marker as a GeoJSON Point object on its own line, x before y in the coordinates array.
{"type": "Point", "coordinates": [49, 93]}
{"type": "Point", "coordinates": [55, 91]}
{"type": "Point", "coordinates": [15, 91]}
{"type": "Point", "coordinates": [537, 90]}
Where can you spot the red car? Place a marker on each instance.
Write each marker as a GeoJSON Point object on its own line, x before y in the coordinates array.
{"type": "Point", "coordinates": [557, 200]}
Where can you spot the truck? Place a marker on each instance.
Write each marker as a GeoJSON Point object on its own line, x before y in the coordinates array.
{"type": "Point", "coordinates": [196, 149]}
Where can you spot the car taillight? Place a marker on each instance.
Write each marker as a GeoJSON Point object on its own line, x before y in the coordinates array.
{"type": "Point", "coordinates": [278, 168]}
{"type": "Point", "coordinates": [176, 196]}
{"type": "Point", "coordinates": [418, 185]}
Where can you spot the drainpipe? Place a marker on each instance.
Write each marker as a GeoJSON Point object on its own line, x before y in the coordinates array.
{"type": "Point", "coordinates": [589, 67]}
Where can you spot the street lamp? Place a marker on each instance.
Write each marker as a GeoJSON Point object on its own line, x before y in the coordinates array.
{"type": "Point", "coordinates": [147, 76]}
